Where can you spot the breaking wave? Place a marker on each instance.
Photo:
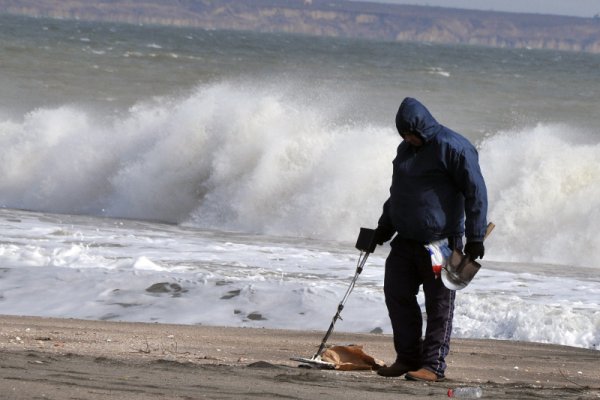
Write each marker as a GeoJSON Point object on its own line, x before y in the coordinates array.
{"type": "Point", "coordinates": [265, 160]}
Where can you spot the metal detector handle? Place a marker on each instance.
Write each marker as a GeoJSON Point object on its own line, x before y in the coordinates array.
{"type": "Point", "coordinates": [366, 240]}
{"type": "Point", "coordinates": [490, 227]}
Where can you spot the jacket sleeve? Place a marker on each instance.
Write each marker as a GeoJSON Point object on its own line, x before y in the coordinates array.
{"type": "Point", "coordinates": [467, 175]}
{"type": "Point", "coordinates": [385, 222]}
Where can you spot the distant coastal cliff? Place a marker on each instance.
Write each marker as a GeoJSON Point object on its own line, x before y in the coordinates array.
{"type": "Point", "coordinates": [336, 18]}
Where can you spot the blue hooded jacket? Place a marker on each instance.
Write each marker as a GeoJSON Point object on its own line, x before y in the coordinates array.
{"type": "Point", "coordinates": [434, 185]}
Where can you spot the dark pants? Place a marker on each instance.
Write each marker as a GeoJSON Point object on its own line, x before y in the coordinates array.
{"type": "Point", "coordinates": [407, 267]}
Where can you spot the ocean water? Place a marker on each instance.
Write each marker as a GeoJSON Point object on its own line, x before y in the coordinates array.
{"type": "Point", "coordinates": [221, 178]}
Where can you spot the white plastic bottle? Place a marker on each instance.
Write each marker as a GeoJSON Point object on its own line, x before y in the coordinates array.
{"type": "Point", "coordinates": [465, 392]}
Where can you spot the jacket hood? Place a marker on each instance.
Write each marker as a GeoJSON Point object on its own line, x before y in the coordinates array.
{"type": "Point", "coordinates": [414, 117]}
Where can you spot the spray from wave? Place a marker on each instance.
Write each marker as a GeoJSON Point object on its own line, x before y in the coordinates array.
{"type": "Point", "coordinates": [225, 157]}
{"type": "Point", "coordinates": [265, 160]}
{"type": "Point", "coordinates": [544, 194]}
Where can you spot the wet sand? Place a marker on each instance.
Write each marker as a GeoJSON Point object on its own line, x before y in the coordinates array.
{"type": "Point", "coordinates": [77, 359]}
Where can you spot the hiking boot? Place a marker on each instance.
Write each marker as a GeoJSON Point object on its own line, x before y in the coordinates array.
{"type": "Point", "coordinates": [396, 369]}
{"type": "Point", "coordinates": [424, 375]}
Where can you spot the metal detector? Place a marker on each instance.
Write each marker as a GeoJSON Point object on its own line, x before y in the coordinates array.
{"type": "Point", "coordinates": [366, 244]}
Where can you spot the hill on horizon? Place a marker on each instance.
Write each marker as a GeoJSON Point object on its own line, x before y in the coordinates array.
{"type": "Point", "coordinates": [334, 18]}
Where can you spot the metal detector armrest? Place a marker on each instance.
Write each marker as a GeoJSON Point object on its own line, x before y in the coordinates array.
{"type": "Point", "coordinates": [366, 240]}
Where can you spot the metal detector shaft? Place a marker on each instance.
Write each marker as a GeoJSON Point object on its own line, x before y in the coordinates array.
{"type": "Point", "coordinates": [362, 259]}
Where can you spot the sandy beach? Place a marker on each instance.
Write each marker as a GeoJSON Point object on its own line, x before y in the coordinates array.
{"type": "Point", "coordinates": [79, 359]}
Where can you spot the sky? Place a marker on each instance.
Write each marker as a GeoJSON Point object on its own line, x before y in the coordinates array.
{"type": "Point", "coordinates": [578, 8]}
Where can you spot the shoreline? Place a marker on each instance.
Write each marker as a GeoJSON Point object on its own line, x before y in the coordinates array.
{"type": "Point", "coordinates": [70, 358]}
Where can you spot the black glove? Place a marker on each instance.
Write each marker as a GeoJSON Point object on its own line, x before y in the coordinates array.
{"type": "Point", "coordinates": [475, 250]}
{"type": "Point", "coordinates": [383, 234]}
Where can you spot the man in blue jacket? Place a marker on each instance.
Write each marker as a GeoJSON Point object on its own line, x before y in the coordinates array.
{"type": "Point", "coordinates": [436, 183]}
